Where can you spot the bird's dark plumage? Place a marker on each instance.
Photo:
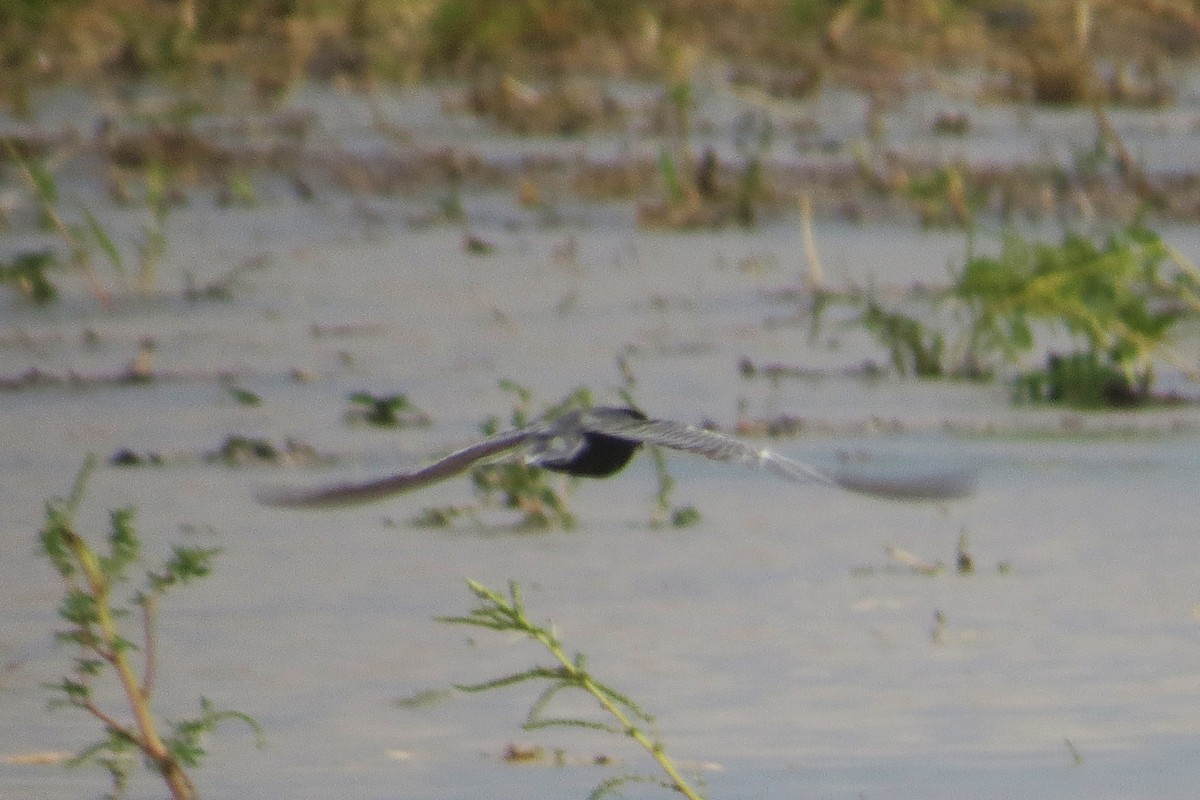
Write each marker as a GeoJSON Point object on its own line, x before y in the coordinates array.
{"type": "Point", "coordinates": [599, 442]}
{"type": "Point", "coordinates": [599, 454]}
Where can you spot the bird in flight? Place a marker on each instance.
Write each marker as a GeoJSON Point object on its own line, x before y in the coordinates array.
{"type": "Point", "coordinates": [599, 442]}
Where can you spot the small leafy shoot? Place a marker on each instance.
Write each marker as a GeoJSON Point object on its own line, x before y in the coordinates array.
{"type": "Point", "coordinates": [506, 613]}
{"type": "Point", "coordinates": [386, 411]}
{"type": "Point", "coordinates": [521, 486]}
{"type": "Point", "coordinates": [90, 579]}
{"type": "Point", "coordinates": [26, 273]}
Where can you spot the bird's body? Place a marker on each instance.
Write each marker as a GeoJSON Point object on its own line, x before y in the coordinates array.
{"type": "Point", "coordinates": [592, 453]}
{"type": "Point", "coordinates": [599, 442]}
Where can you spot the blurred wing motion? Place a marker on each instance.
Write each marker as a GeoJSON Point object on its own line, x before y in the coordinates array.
{"type": "Point", "coordinates": [720, 447]}
{"type": "Point", "coordinates": [929, 487]}
{"type": "Point", "coordinates": [351, 493]}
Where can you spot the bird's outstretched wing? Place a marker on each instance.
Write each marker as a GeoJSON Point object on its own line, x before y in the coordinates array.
{"type": "Point", "coordinates": [721, 447]}
{"type": "Point", "coordinates": [679, 436]}
{"type": "Point", "coordinates": [350, 493]}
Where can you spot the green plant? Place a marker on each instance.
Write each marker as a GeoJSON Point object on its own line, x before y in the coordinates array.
{"type": "Point", "coordinates": [154, 234]}
{"type": "Point", "coordinates": [472, 32]}
{"type": "Point", "coordinates": [522, 486]}
{"type": "Point", "coordinates": [82, 240]}
{"type": "Point", "coordinates": [438, 516]}
{"type": "Point", "coordinates": [44, 185]}
{"type": "Point", "coordinates": [515, 485]}
{"type": "Point", "coordinates": [807, 14]}
{"type": "Point", "coordinates": [1117, 298]}
{"type": "Point", "coordinates": [27, 274]}
{"type": "Point", "coordinates": [525, 487]}
{"type": "Point", "coordinates": [487, 31]}
{"type": "Point", "coordinates": [386, 411]}
{"type": "Point", "coordinates": [678, 516]}
{"type": "Point", "coordinates": [506, 614]}
{"type": "Point", "coordinates": [755, 133]}
{"type": "Point", "coordinates": [537, 493]}
{"type": "Point", "coordinates": [671, 178]}
{"type": "Point", "coordinates": [93, 620]}
{"type": "Point", "coordinates": [914, 349]}
{"type": "Point", "coordinates": [238, 190]}
{"type": "Point", "coordinates": [942, 198]}
{"type": "Point", "coordinates": [243, 396]}
{"type": "Point", "coordinates": [1080, 380]}
{"type": "Point", "coordinates": [450, 205]}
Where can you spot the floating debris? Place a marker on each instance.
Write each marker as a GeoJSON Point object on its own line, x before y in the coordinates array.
{"type": "Point", "coordinates": [915, 564]}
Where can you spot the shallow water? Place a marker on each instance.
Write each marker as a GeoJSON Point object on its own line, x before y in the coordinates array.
{"type": "Point", "coordinates": [781, 650]}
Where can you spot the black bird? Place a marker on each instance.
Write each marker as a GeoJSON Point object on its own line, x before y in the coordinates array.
{"type": "Point", "coordinates": [599, 442]}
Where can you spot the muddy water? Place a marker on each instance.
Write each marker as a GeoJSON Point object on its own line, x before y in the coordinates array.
{"type": "Point", "coordinates": [782, 651]}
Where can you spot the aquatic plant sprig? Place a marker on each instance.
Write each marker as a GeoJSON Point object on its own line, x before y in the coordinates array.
{"type": "Point", "coordinates": [82, 240]}
{"type": "Point", "coordinates": [153, 245]}
{"type": "Point", "coordinates": [26, 272]}
{"type": "Point", "coordinates": [44, 185]}
{"type": "Point", "coordinates": [523, 486]}
{"type": "Point", "coordinates": [386, 410]}
{"type": "Point", "coordinates": [90, 578]}
{"type": "Point", "coordinates": [502, 613]}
